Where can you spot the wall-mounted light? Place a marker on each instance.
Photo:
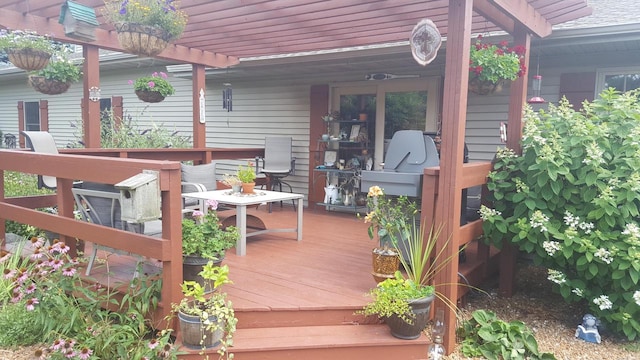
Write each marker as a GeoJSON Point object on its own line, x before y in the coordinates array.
{"type": "Point", "coordinates": [94, 93]}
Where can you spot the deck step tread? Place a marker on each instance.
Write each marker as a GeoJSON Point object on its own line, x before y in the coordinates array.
{"type": "Point", "coordinates": [270, 339]}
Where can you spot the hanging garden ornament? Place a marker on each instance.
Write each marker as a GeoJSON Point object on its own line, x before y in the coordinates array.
{"type": "Point", "coordinates": [425, 41]}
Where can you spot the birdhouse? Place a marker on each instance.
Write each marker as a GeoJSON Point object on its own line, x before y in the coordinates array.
{"type": "Point", "coordinates": [140, 197]}
{"type": "Point", "coordinates": [79, 21]}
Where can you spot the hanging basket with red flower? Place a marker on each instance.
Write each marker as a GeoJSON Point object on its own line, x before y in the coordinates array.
{"type": "Point", "coordinates": [491, 65]}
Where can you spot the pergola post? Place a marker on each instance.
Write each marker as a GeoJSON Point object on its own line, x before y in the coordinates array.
{"type": "Point", "coordinates": [517, 97]}
{"type": "Point", "coordinates": [199, 127]}
{"type": "Point", "coordinates": [90, 109]}
{"type": "Point", "coordinates": [454, 112]}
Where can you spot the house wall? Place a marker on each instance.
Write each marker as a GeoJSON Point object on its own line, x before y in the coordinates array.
{"type": "Point", "coordinates": [281, 107]}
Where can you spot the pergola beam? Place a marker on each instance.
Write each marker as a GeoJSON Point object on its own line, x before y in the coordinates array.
{"type": "Point", "coordinates": [517, 10]}
{"type": "Point", "coordinates": [108, 40]}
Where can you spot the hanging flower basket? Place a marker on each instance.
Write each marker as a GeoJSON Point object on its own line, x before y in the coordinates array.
{"type": "Point", "coordinates": [149, 96]}
{"type": "Point", "coordinates": [485, 87]}
{"type": "Point", "coordinates": [28, 59]}
{"type": "Point", "coordinates": [142, 40]}
{"type": "Point", "coordinates": [47, 86]}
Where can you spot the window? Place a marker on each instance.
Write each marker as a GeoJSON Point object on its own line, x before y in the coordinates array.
{"type": "Point", "coordinates": [32, 116]}
{"type": "Point", "coordinates": [620, 79]}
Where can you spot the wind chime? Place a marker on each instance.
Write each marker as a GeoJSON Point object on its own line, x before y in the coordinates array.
{"type": "Point", "coordinates": [227, 97]}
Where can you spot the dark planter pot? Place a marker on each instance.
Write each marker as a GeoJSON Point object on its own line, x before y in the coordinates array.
{"type": "Point", "coordinates": [149, 96]}
{"type": "Point", "coordinates": [403, 330]}
{"type": "Point", "coordinates": [192, 266]}
{"type": "Point", "coordinates": [485, 87]}
{"type": "Point", "coordinates": [143, 40]}
{"type": "Point", "coordinates": [28, 59]}
{"type": "Point", "coordinates": [194, 332]}
{"type": "Point", "coordinates": [47, 86]}
{"type": "Point", "coordinates": [385, 263]}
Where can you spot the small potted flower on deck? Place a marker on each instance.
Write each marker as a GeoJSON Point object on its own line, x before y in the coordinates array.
{"type": "Point", "coordinates": [207, 321]}
{"type": "Point", "coordinates": [152, 88]}
{"type": "Point", "coordinates": [247, 174]}
{"type": "Point", "coordinates": [204, 239]}
{"type": "Point", "coordinates": [233, 181]}
{"type": "Point", "coordinates": [490, 65]}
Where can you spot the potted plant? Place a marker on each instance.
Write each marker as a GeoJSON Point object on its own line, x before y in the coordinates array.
{"type": "Point", "coordinates": [247, 174]}
{"type": "Point", "coordinates": [208, 321]}
{"type": "Point", "coordinates": [56, 77]}
{"type": "Point", "coordinates": [404, 302]}
{"type": "Point", "coordinates": [204, 239]}
{"type": "Point", "coordinates": [387, 216]}
{"type": "Point", "coordinates": [491, 65]}
{"type": "Point", "coordinates": [233, 181]}
{"type": "Point", "coordinates": [145, 27]}
{"type": "Point", "coordinates": [152, 88]}
{"type": "Point", "coordinates": [26, 50]}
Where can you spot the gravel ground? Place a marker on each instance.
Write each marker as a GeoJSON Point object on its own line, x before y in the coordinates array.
{"type": "Point", "coordinates": [553, 321]}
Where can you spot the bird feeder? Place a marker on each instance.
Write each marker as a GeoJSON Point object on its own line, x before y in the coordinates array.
{"type": "Point", "coordinates": [79, 21]}
{"type": "Point", "coordinates": [536, 84]}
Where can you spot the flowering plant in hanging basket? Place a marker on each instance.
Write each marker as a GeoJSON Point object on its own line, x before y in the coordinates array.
{"type": "Point", "coordinates": [152, 88]}
{"type": "Point", "coordinates": [26, 49]}
{"type": "Point", "coordinates": [145, 27]}
{"type": "Point", "coordinates": [490, 65]}
{"type": "Point", "coordinates": [56, 77]}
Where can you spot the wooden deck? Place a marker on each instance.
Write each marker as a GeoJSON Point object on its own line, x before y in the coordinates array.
{"type": "Point", "coordinates": [296, 300]}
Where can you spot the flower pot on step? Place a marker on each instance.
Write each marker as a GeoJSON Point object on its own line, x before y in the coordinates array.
{"type": "Point", "coordinates": [385, 263]}
{"type": "Point", "coordinates": [192, 266]}
{"type": "Point", "coordinates": [403, 330]}
{"type": "Point", "coordinates": [195, 334]}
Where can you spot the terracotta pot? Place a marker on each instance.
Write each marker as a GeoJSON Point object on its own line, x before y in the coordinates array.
{"type": "Point", "coordinates": [385, 263]}
{"type": "Point", "coordinates": [28, 59]}
{"type": "Point", "coordinates": [149, 96]}
{"type": "Point", "coordinates": [403, 330]}
{"type": "Point", "coordinates": [142, 40]}
{"type": "Point", "coordinates": [248, 188]}
{"type": "Point", "coordinates": [46, 86]}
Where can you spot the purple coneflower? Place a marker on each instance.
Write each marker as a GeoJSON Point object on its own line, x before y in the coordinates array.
{"type": "Point", "coordinates": [31, 304]}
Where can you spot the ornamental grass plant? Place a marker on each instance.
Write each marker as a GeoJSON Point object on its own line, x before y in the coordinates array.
{"type": "Point", "coordinates": [572, 200]}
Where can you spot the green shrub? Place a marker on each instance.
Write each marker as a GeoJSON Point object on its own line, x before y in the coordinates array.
{"type": "Point", "coordinates": [487, 336]}
{"type": "Point", "coordinates": [129, 135]}
{"type": "Point", "coordinates": [18, 326]}
{"type": "Point", "coordinates": [573, 200]}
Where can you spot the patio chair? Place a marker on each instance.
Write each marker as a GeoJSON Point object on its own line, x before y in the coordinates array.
{"type": "Point", "coordinates": [278, 163]}
{"type": "Point", "coordinates": [42, 142]}
{"type": "Point", "coordinates": [100, 204]}
{"type": "Point", "coordinates": [197, 178]}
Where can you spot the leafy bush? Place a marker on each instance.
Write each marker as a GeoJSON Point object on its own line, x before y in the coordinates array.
{"type": "Point", "coordinates": [486, 335]}
{"type": "Point", "coordinates": [50, 303]}
{"type": "Point", "coordinates": [129, 135]}
{"type": "Point", "coordinates": [573, 200]}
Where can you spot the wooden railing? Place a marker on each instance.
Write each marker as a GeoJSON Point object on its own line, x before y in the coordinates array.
{"type": "Point", "coordinates": [110, 166]}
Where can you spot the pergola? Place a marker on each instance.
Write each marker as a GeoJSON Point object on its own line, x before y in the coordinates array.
{"type": "Point", "coordinates": [220, 33]}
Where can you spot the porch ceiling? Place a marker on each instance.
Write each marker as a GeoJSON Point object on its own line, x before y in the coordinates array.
{"type": "Point", "coordinates": [253, 28]}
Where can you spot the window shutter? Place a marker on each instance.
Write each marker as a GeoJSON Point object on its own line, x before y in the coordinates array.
{"type": "Point", "coordinates": [578, 87]}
